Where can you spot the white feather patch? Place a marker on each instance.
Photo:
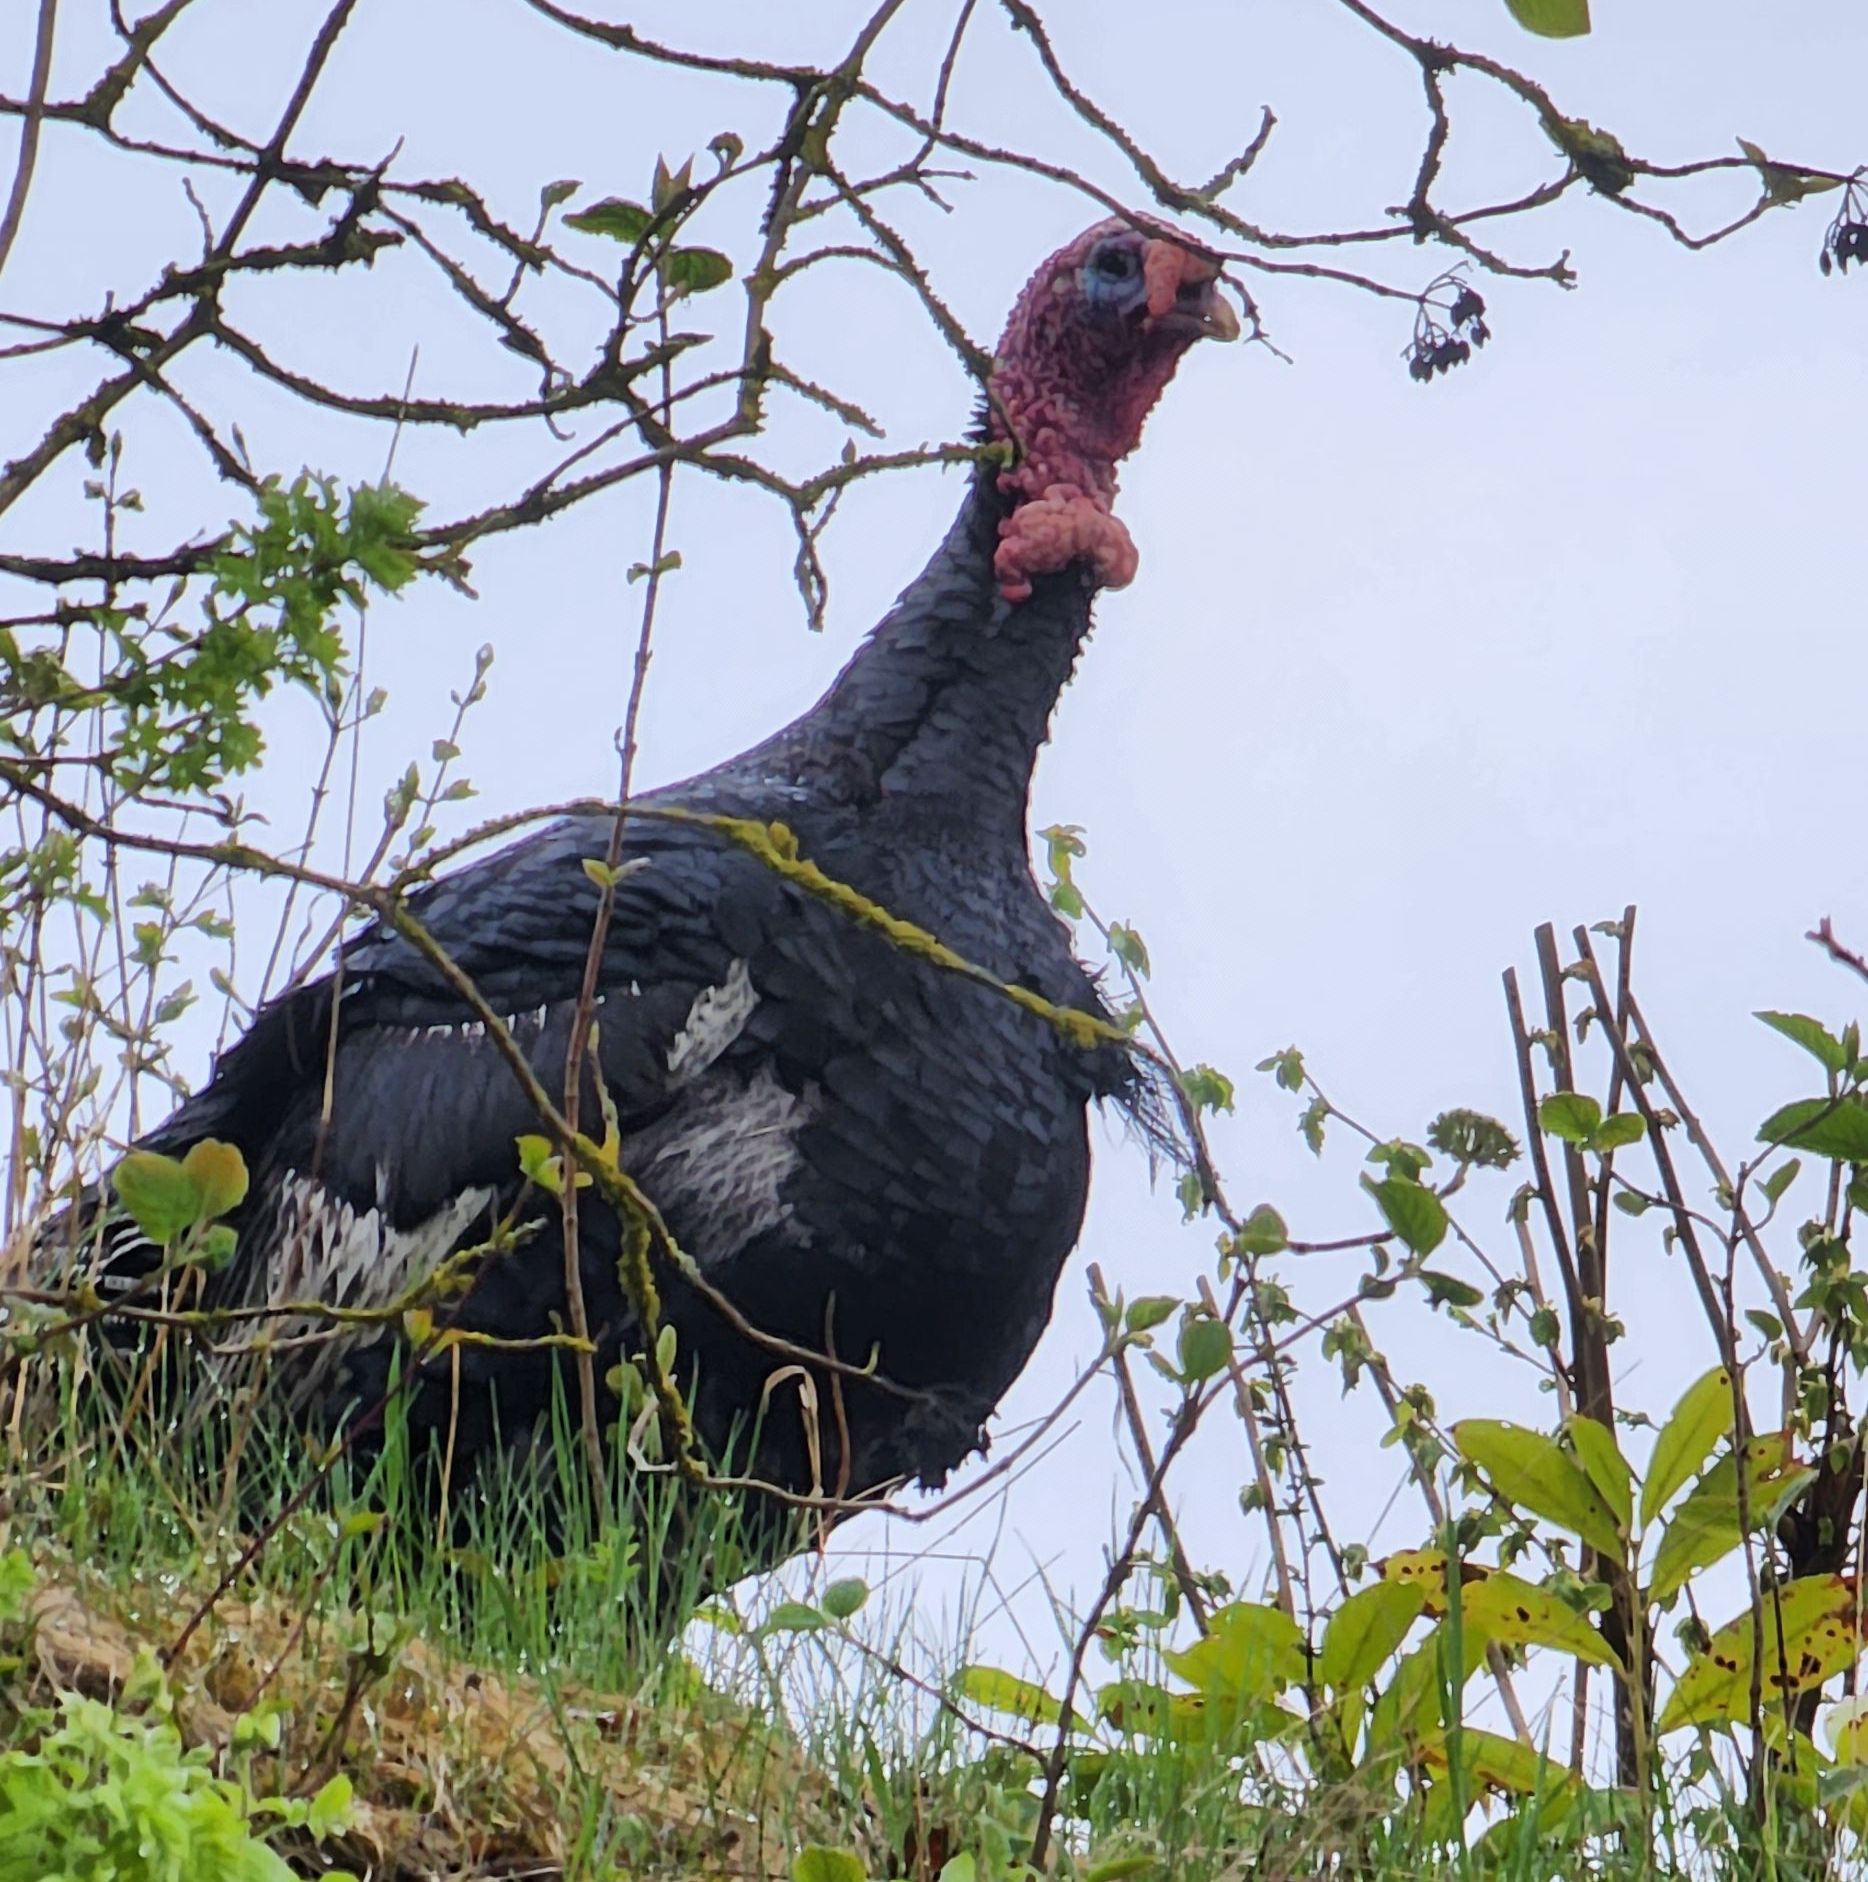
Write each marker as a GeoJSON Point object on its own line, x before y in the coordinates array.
{"type": "Point", "coordinates": [326, 1250]}
{"type": "Point", "coordinates": [719, 1165]}
{"type": "Point", "coordinates": [717, 1017]}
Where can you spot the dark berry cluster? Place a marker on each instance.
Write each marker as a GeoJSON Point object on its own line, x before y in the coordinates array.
{"type": "Point", "coordinates": [1440, 344]}
{"type": "Point", "coordinates": [1846, 238]}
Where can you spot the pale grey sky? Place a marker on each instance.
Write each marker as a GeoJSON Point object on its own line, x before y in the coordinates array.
{"type": "Point", "coordinates": [1406, 670]}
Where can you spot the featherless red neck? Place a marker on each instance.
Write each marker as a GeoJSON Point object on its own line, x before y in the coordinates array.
{"type": "Point", "coordinates": [1090, 345]}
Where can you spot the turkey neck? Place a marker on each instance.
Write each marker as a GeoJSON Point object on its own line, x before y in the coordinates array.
{"type": "Point", "coordinates": [950, 697]}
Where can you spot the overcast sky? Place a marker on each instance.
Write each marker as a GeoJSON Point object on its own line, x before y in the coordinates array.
{"type": "Point", "coordinates": [1405, 671]}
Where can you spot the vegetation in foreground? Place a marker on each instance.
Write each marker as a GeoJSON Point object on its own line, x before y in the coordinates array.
{"type": "Point", "coordinates": [1627, 1644]}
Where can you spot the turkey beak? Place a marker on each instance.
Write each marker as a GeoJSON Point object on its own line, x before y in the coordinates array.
{"type": "Point", "coordinates": [1217, 321]}
{"type": "Point", "coordinates": [1184, 298]}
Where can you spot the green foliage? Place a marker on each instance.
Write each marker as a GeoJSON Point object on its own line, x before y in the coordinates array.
{"type": "Point", "coordinates": [104, 1797]}
{"type": "Point", "coordinates": [1551, 19]}
{"type": "Point", "coordinates": [177, 704]}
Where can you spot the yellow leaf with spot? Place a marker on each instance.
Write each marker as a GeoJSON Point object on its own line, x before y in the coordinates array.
{"type": "Point", "coordinates": [1809, 1631]}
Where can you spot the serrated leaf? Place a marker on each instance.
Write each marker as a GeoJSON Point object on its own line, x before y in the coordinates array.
{"type": "Point", "coordinates": [1836, 1128]}
{"type": "Point", "coordinates": [220, 1177]}
{"type": "Point", "coordinates": [1412, 1210]}
{"type": "Point", "coordinates": [157, 1194]}
{"type": "Point", "coordinates": [1535, 1474]}
{"type": "Point", "coordinates": [1365, 1630]}
{"type": "Point", "coordinates": [1703, 1418]}
{"type": "Point", "coordinates": [1811, 1034]}
{"type": "Point", "coordinates": [1000, 1691]}
{"type": "Point", "coordinates": [621, 221]}
{"type": "Point", "coordinates": [1551, 19]}
{"type": "Point", "coordinates": [1570, 1115]}
{"type": "Point", "coordinates": [1809, 1635]}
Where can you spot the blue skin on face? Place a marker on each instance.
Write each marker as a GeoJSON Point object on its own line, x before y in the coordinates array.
{"type": "Point", "coordinates": [1112, 278]}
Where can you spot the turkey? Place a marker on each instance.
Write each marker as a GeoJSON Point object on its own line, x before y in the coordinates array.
{"type": "Point", "coordinates": [871, 1156]}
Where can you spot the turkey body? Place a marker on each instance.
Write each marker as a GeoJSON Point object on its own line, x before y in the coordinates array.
{"type": "Point", "coordinates": [875, 1160]}
{"type": "Point", "coordinates": [870, 1155]}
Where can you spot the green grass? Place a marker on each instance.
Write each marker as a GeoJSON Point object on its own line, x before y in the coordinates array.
{"type": "Point", "coordinates": [519, 1694]}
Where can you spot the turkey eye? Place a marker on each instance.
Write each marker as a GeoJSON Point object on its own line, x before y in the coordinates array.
{"type": "Point", "coordinates": [1117, 263]}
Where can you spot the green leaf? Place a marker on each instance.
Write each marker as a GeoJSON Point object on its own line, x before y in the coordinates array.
{"type": "Point", "coordinates": [1116, 1869]}
{"type": "Point", "coordinates": [1836, 1128]}
{"type": "Point", "coordinates": [793, 1617]}
{"type": "Point", "coordinates": [218, 1172]}
{"type": "Point", "coordinates": [1000, 1691]}
{"type": "Point", "coordinates": [1780, 1179]}
{"type": "Point", "coordinates": [621, 221]}
{"type": "Point", "coordinates": [1704, 1416]}
{"type": "Point", "coordinates": [1552, 19]}
{"type": "Point", "coordinates": [1472, 1137]}
{"type": "Point", "coordinates": [1811, 1034]}
{"type": "Point", "coordinates": [1535, 1474]}
{"type": "Point", "coordinates": [1705, 1528]}
{"type": "Point", "coordinates": [842, 1598]}
{"type": "Point", "coordinates": [816, 1862]}
{"type": "Point", "coordinates": [1250, 1652]}
{"type": "Point", "coordinates": [1149, 1311]}
{"type": "Point", "coordinates": [1365, 1630]}
{"type": "Point", "coordinates": [157, 1193]}
{"type": "Point", "coordinates": [213, 1249]}
{"type": "Point", "coordinates": [1598, 156]}
{"type": "Point", "coordinates": [1206, 1089]}
{"type": "Point", "coordinates": [1446, 1290]}
{"type": "Point", "coordinates": [1604, 1465]}
{"type": "Point", "coordinates": [1782, 184]}
{"type": "Point", "coordinates": [1412, 1210]}
{"type": "Point", "coordinates": [1261, 1233]}
{"type": "Point", "coordinates": [17, 1581]}
{"type": "Point", "coordinates": [1571, 1115]}
{"type": "Point", "coordinates": [1205, 1347]}
{"type": "Point", "coordinates": [540, 1164]}
{"type": "Point", "coordinates": [1619, 1131]}
{"type": "Point", "coordinates": [1129, 948]}
{"type": "Point", "coordinates": [696, 270]}
{"type": "Point", "coordinates": [330, 1808]}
